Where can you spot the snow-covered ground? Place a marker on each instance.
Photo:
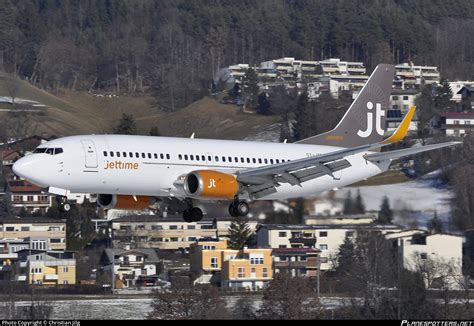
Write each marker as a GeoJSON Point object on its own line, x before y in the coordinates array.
{"type": "Point", "coordinates": [423, 196]}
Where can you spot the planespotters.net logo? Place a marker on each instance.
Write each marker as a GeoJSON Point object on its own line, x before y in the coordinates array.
{"type": "Point", "coordinates": [437, 323]}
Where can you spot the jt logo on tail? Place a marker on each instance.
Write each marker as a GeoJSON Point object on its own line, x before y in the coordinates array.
{"type": "Point", "coordinates": [379, 113]}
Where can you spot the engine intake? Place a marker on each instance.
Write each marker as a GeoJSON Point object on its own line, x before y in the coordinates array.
{"type": "Point", "coordinates": [125, 202]}
{"type": "Point", "coordinates": [211, 184]}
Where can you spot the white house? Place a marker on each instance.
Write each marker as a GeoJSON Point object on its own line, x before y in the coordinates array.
{"type": "Point", "coordinates": [437, 256]}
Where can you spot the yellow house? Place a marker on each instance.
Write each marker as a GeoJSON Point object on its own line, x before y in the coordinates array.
{"type": "Point", "coordinates": [247, 268]}
{"type": "Point", "coordinates": [45, 267]}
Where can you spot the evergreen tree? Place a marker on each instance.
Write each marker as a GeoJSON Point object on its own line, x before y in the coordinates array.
{"type": "Point", "coordinates": [359, 207]}
{"type": "Point", "coordinates": [302, 127]}
{"type": "Point", "coordinates": [126, 125]}
{"type": "Point", "coordinates": [250, 88]}
{"type": "Point", "coordinates": [154, 131]}
{"type": "Point", "coordinates": [239, 233]}
{"type": "Point", "coordinates": [385, 213]}
{"type": "Point", "coordinates": [435, 224]}
{"type": "Point", "coordinates": [348, 204]}
{"type": "Point", "coordinates": [263, 104]}
{"type": "Point", "coordinates": [346, 257]}
{"type": "Point", "coordinates": [443, 96]}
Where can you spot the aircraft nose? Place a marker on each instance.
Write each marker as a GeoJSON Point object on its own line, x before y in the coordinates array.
{"type": "Point", "coordinates": [24, 167]}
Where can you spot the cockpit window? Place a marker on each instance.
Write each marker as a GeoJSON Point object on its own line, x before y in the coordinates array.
{"type": "Point", "coordinates": [50, 151]}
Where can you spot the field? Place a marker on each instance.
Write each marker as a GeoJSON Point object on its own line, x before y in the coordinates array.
{"type": "Point", "coordinates": [70, 113]}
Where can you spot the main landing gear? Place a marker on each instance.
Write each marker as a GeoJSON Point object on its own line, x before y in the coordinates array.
{"type": "Point", "coordinates": [238, 208]}
{"type": "Point", "coordinates": [192, 214]}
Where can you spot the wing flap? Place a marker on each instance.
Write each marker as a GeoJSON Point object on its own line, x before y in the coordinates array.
{"type": "Point", "coordinates": [393, 155]}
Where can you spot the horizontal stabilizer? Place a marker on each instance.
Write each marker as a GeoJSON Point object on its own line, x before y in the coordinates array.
{"type": "Point", "coordinates": [393, 155]}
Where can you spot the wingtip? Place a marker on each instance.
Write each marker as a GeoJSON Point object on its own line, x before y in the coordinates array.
{"type": "Point", "coordinates": [403, 128]}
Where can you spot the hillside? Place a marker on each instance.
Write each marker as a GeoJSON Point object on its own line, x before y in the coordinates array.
{"type": "Point", "coordinates": [72, 113]}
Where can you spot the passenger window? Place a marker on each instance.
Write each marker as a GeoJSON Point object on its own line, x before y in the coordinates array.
{"type": "Point", "coordinates": [168, 156]}
{"type": "Point", "coordinates": [266, 161]}
{"type": "Point", "coordinates": [271, 161]}
{"type": "Point", "coordinates": [236, 160]}
{"type": "Point", "coordinates": [197, 157]}
{"type": "Point", "coordinates": [203, 157]}
{"type": "Point", "coordinates": [248, 160]}
{"type": "Point", "coordinates": [105, 153]}
{"type": "Point", "coordinates": [143, 155]}
{"type": "Point", "coordinates": [191, 157]}
{"type": "Point", "coordinates": [230, 159]}
{"type": "Point", "coordinates": [162, 156]}
{"type": "Point", "coordinates": [130, 154]}
{"type": "Point", "coordinates": [185, 157]}
{"type": "Point", "coordinates": [180, 157]}
{"type": "Point", "coordinates": [223, 158]}
{"type": "Point", "coordinates": [209, 158]}
{"type": "Point", "coordinates": [242, 160]}
{"type": "Point", "coordinates": [118, 154]}
{"type": "Point", "coordinates": [260, 161]}
{"type": "Point", "coordinates": [111, 154]}
{"type": "Point", "coordinates": [137, 155]}
{"type": "Point", "coordinates": [156, 156]}
{"type": "Point", "coordinates": [278, 161]}
{"type": "Point", "coordinates": [254, 160]}
{"type": "Point", "coordinates": [124, 154]}
{"type": "Point", "coordinates": [149, 155]}
{"type": "Point", "coordinates": [216, 158]}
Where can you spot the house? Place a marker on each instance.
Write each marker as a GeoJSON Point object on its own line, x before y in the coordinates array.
{"type": "Point", "coordinates": [27, 144]}
{"type": "Point", "coordinates": [134, 267]}
{"type": "Point", "coordinates": [407, 75]}
{"type": "Point", "coordinates": [24, 194]}
{"type": "Point", "coordinates": [33, 233]}
{"type": "Point", "coordinates": [45, 267]}
{"type": "Point", "coordinates": [9, 156]}
{"type": "Point", "coordinates": [213, 262]}
{"type": "Point", "coordinates": [434, 255]}
{"type": "Point", "coordinates": [171, 233]}
{"type": "Point", "coordinates": [456, 124]}
{"type": "Point", "coordinates": [326, 238]}
{"type": "Point", "coordinates": [467, 98]}
{"type": "Point", "coordinates": [456, 86]}
{"type": "Point", "coordinates": [296, 261]}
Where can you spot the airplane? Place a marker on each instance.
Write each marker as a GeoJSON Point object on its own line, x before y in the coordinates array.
{"type": "Point", "coordinates": [133, 172]}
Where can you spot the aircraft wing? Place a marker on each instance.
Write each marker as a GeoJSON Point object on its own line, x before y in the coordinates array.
{"type": "Point", "coordinates": [262, 181]}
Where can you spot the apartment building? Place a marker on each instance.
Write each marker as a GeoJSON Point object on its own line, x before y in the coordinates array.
{"type": "Point", "coordinates": [213, 262]}
{"type": "Point", "coordinates": [170, 233]}
{"type": "Point", "coordinates": [326, 238]}
{"type": "Point", "coordinates": [45, 267]}
{"type": "Point", "coordinates": [36, 233]}
{"type": "Point", "coordinates": [435, 255]}
{"type": "Point", "coordinates": [456, 124]}
{"type": "Point", "coordinates": [296, 261]}
{"type": "Point", "coordinates": [135, 267]}
{"type": "Point", "coordinates": [24, 194]}
{"type": "Point", "coordinates": [407, 75]}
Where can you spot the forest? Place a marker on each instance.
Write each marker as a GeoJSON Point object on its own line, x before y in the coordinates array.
{"type": "Point", "coordinates": [172, 49]}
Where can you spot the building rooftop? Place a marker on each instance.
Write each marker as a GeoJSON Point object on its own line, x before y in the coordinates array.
{"type": "Point", "coordinates": [295, 250]}
{"type": "Point", "coordinates": [22, 186]}
{"type": "Point", "coordinates": [331, 226]}
{"type": "Point", "coordinates": [457, 115]}
{"type": "Point", "coordinates": [31, 220]}
{"type": "Point", "coordinates": [151, 256]}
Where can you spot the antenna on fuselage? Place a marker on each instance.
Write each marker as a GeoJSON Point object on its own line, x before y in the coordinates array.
{"type": "Point", "coordinates": [192, 136]}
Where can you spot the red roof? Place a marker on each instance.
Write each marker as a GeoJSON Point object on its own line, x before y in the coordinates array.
{"type": "Point", "coordinates": [457, 115]}
{"type": "Point", "coordinates": [17, 186]}
{"type": "Point", "coordinates": [9, 154]}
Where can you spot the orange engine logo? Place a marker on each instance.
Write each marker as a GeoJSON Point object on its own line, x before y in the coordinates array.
{"type": "Point", "coordinates": [211, 184]}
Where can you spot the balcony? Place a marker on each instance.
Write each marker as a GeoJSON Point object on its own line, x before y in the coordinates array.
{"type": "Point", "coordinates": [307, 242]}
{"type": "Point", "coordinates": [51, 277]}
{"type": "Point", "coordinates": [20, 278]}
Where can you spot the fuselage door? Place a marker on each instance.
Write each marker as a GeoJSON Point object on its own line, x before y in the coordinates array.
{"type": "Point", "coordinates": [90, 153]}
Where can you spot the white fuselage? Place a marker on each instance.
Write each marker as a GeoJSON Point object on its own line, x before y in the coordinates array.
{"type": "Point", "coordinates": [152, 166]}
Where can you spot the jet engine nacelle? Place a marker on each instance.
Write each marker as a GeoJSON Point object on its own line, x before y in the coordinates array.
{"type": "Point", "coordinates": [211, 184]}
{"type": "Point", "coordinates": [125, 202]}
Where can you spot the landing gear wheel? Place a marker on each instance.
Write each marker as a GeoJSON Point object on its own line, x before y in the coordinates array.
{"type": "Point", "coordinates": [67, 207]}
{"type": "Point", "coordinates": [238, 208]}
{"type": "Point", "coordinates": [196, 214]}
{"type": "Point", "coordinates": [192, 215]}
{"type": "Point", "coordinates": [187, 216]}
